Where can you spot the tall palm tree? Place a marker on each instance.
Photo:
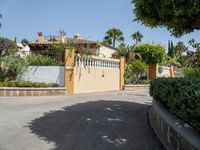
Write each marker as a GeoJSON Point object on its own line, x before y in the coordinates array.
{"type": "Point", "coordinates": [113, 35]}
{"type": "Point", "coordinates": [137, 36]}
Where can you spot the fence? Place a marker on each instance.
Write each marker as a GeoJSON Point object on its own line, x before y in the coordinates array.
{"type": "Point", "coordinates": [96, 62]}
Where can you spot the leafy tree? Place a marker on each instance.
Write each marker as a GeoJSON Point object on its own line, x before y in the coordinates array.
{"type": "Point", "coordinates": [180, 48]}
{"type": "Point", "coordinates": [180, 51]}
{"type": "Point", "coordinates": [194, 56]}
{"type": "Point", "coordinates": [137, 36]}
{"type": "Point", "coordinates": [128, 74]}
{"type": "Point", "coordinates": [138, 67]}
{"type": "Point", "coordinates": [58, 52]}
{"type": "Point", "coordinates": [178, 16]}
{"type": "Point", "coordinates": [24, 42]}
{"type": "Point", "coordinates": [113, 35]}
{"type": "Point", "coordinates": [151, 53]}
{"type": "Point", "coordinates": [7, 46]}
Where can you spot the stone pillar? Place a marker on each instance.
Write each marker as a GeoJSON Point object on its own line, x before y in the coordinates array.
{"type": "Point", "coordinates": [122, 68]}
{"type": "Point", "coordinates": [171, 71]}
{"type": "Point", "coordinates": [153, 71]}
{"type": "Point", "coordinates": [69, 71]}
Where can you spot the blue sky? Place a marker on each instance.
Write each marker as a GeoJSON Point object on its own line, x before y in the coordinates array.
{"type": "Point", "coordinates": [90, 18]}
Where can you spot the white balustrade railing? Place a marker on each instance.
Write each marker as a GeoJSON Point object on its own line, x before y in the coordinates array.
{"type": "Point", "coordinates": [96, 62]}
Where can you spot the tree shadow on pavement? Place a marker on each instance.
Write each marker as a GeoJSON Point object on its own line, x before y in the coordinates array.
{"type": "Point", "coordinates": [100, 125]}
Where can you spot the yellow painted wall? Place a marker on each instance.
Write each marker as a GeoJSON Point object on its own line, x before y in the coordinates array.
{"type": "Point", "coordinates": [91, 79]}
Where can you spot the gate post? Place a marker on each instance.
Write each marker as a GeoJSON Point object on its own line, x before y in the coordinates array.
{"type": "Point", "coordinates": [171, 71]}
{"type": "Point", "coordinates": [153, 71]}
{"type": "Point", "coordinates": [122, 68]}
{"type": "Point", "coordinates": [69, 71]}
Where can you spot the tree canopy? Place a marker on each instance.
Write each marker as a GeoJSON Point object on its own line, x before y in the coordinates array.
{"type": "Point", "coordinates": [180, 48]}
{"type": "Point", "coordinates": [7, 46]}
{"type": "Point", "coordinates": [24, 42]}
{"type": "Point", "coordinates": [113, 35]}
{"type": "Point", "coordinates": [137, 36]}
{"type": "Point", "coordinates": [151, 53]}
{"type": "Point", "coordinates": [178, 16]}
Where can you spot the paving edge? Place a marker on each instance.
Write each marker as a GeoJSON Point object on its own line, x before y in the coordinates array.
{"type": "Point", "coordinates": [13, 91]}
{"type": "Point", "coordinates": [172, 132]}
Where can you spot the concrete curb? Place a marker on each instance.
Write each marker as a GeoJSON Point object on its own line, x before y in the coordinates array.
{"type": "Point", "coordinates": [174, 133]}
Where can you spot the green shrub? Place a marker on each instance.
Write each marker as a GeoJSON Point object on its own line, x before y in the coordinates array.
{"type": "Point", "coordinates": [138, 67]}
{"type": "Point", "coordinates": [191, 72]}
{"type": "Point", "coordinates": [58, 51]}
{"type": "Point", "coordinates": [181, 96]}
{"type": "Point", "coordinates": [134, 70]}
{"type": "Point", "coordinates": [143, 81]}
{"type": "Point", "coordinates": [151, 53]}
{"type": "Point", "coordinates": [11, 67]}
{"type": "Point", "coordinates": [40, 60]}
{"type": "Point", "coordinates": [128, 75]}
{"type": "Point", "coordinates": [15, 83]}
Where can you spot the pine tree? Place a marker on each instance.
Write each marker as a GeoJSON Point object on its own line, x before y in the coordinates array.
{"type": "Point", "coordinates": [171, 52]}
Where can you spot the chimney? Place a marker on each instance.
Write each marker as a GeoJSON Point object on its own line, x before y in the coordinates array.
{"type": "Point", "coordinates": [40, 38]}
{"type": "Point", "coordinates": [77, 36]}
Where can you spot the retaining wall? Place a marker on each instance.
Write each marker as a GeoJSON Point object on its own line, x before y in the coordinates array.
{"type": "Point", "coordinates": [136, 87]}
{"type": "Point", "coordinates": [174, 133]}
{"type": "Point", "coordinates": [12, 91]}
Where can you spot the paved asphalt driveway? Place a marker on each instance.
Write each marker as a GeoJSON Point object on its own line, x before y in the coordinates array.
{"type": "Point", "coordinates": [102, 121]}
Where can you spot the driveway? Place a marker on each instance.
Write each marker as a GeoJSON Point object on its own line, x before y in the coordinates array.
{"type": "Point", "coordinates": [101, 121]}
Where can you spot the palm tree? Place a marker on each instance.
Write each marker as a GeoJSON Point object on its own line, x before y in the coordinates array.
{"type": "Point", "coordinates": [137, 36]}
{"type": "Point", "coordinates": [113, 35]}
{"type": "Point", "coordinates": [127, 52]}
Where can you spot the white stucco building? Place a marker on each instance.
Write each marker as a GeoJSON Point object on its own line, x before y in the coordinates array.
{"type": "Point", "coordinates": [23, 50]}
{"type": "Point", "coordinates": [106, 51]}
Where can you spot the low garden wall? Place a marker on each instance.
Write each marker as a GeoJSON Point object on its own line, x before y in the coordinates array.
{"type": "Point", "coordinates": [47, 74]}
{"type": "Point", "coordinates": [136, 87]}
{"type": "Point", "coordinates": [16, 91]}
{"type": "Point", "coordinates": [175, 115]}
{"type": "Point", "coordinates": [174, 133]}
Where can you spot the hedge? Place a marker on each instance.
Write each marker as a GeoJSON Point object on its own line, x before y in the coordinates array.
{"type": "Point", "coordinates": [181, 96]}
{"type": "Point", "coordinates": [26, 84]}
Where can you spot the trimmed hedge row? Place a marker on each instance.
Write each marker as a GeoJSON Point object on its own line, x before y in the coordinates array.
{"type": "Point", "coordinates": [26, 84]}
{"type": "Point", "coordinates": [181, 96]}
